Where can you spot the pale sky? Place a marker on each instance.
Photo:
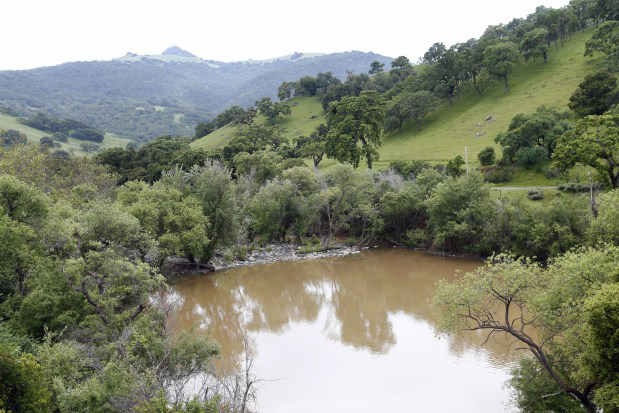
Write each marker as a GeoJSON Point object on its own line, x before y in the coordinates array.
{"type": "Point", "coordinates": [49, 32]}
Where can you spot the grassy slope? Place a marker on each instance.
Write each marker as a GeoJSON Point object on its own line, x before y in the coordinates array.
{"type": "Point", "coordinates": [446, 131]}
{"type": "Point", "coordinates": [73, 145]}
{"type": "Point", "coordinates": [306, 114]}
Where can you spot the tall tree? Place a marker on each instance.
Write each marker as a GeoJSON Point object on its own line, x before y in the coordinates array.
{"type": "Point", "coordinates": [534, 44]}
{"type": "Point", "coordinates": [355, 127]}
{"type": "Point", "coordinates": [410, 105]}
{"type": "Point", "coordinates": [594, 142]}
{"type": "Point", "coordinates": [376, 67]}
{"type": "Point", "coordinates": [500, 59]}
{"type": "Point", "coordinates": [592, 97]}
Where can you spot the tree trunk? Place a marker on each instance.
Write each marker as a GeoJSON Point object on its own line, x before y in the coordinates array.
{"type": "Point", "coordinates": [506, 84]}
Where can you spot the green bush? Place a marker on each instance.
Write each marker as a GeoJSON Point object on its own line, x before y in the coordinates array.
{"type": "Point", "coordinates": [487, 156]}
{"type": "Point", "coordinates": [499, 175]}
{"type": "Point", "coordinates": [535, 194]}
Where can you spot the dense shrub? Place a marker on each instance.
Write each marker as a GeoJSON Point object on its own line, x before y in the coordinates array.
{"type": "Point", "coordinates": [487, 156]}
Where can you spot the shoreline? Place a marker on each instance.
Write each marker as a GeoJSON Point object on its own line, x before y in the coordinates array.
{"type": "Point", "coordinates": [272, 253]}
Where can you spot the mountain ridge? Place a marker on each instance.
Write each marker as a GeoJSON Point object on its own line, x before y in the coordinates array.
{"type": "Point", "coordinates": [144, 96]}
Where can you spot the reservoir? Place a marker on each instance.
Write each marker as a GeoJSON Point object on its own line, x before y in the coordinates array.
{"type": "Point", "coordinates": [348, 334]}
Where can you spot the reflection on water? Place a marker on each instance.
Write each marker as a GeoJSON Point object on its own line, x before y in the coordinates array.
{"type": "Point", "coordinates": [351, 333]}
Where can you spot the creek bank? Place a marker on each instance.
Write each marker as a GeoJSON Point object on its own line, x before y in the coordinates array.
{"type": "Point", "coordinates": [263, 255]}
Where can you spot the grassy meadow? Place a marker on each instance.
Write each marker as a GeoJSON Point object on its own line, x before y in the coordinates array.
{"type": "Point", "coordinates": [72, 145]}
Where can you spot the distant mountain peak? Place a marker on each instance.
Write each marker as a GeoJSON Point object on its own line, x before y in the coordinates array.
{"type": "Point", "coordinates": [177, 51]}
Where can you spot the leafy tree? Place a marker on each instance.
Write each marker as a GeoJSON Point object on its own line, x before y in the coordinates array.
{"type": "Point", "coordinates": [212, 184]}
{"type": "Point", "coordinates": [434, 53]}
{"type": "Point", "coordinates": [174, 220]}
{"type": "Point", "coordinates": [348, 198]}
{"type": "Point", "coordinates": [12, 137]}
{"type": "Point", "coordinates": [272, 110]}
{"type": "Point", "coordinates": [594, 142]}
{"type": "Point", "coordinates": [275, 208]}
{"type": "Point", "coordinates": [203, 129]}
{"type": "Point", "coordinates": [486, 156]}
{"type": "Point", "coordinates": [605, 226]}
{"type": "Point", "coordinates": [592, 97]}
{"type": "Point", "coordinates": [227, 116]}
{"type": "Point", "coordinates": [458, 209]}
{"type": "Point", "coordinates": [48, 142]}
{"type": "Point", "coordinates": [285, 90]}
{"type": "Point", "coordinates": [376, 67]}
{"type": "Point", "coordinates": [261, 165]}
{"type": "Point", "coordinates": [454, 166]}
{"type": "Point", "coordinates": [516, 297]}
{"type": "Point", "coordinates": [253, 138]}
{"type": "Point", "coordinates": [324, 80]}
{"type": "Point", "coordinates": [313, 147]}
{"type": "Point", "coordinates": [605, 39]}
{"type": "Point", "coordinates": [306, 86]}
{"type": "Point", "coordinates": [400, 62]}
{"type": "Point", "coordinates": [23, 388]}
{"type": "Point", "coordinates": [534, 44]}
{"type": "Point", "coordinates": [500, 59]}
{"type": "Point", "coordinates": [245, 116]}
{"type": "Point", "coordinates": [355, 127]}
{"type": "Point", "coordinates": [526, 132]}
{"type": "Point", "coordinates": [88, 134]}
{"type": "Point", "coordinates": [410, 105]}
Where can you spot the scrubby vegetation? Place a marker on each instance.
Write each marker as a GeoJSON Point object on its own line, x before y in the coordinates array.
{"type": "Point", "coordinates": [84, 314]}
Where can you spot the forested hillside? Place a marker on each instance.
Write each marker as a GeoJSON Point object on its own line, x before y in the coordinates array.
{"type": "Point", "coordinates": [141, 97]}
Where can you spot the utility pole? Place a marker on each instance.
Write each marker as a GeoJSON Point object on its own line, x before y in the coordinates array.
{"type": "Point", "coordinates": [466, 155]}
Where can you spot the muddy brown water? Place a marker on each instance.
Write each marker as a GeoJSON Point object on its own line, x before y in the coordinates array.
{"type": "Point", "coordinates": [348, 334]}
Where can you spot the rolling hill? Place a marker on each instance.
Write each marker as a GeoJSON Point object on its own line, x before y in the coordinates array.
{"type": "Point", "coordinates": [446, 131]}
{"type": "Point", "coordinates": [144, 96]}
{"type": "Point", "coordinates": [72, 145]}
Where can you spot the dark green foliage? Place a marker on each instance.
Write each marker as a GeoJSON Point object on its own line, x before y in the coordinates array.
{"type": "Point", "coordinates": [500, 59]}
{"type": "Point", "coordinates": [605, 39]}
{"type": "Point", "coordinates": [535, 391]}
{"type": "Point", "coordinates": [22, 386]}
{"type": "Point", "coordinates": [534, 44]}
{"type": "Point", "coordinates": [63, 127]}
{"type": "Point", "coordinates": [458, 209]}
{"type": "Point", "coordinates": [313, 146]}
{"type": "Point", "coordinates": [531, 138]}
{"type": "Point", "coordinates": [12, 137]}
{"type": "Point", "coordinates": [594, 142]}
{"type": "Point", "coordinates": [486, 156]}
{"type": "Point", "coordinates": [410, 105]}
{"type": "Point", "coordinates": [273, 110]}
{"type": "Point", "coordinates": [499, 175]}
{"type": "Point", "coordinates": [454, 166]}
{"type": "Point", "coordinates": [376, 67]}
{"type": "Point", "coordinates": [355, 128]}
{"type": "Point", "coordinates": [90, 147]}
{"type": "Point", "coordinates": [48, 142]}
{"type": "Point", "coordinates": [88, 134]}
{"type": "Point", "coordinates": [409, 170]}
{"type": "Point", "coordinates": [113, 96]}
{"type": "Point", "coordinates": [593, 96]}
{"type": "Point", "coordinates": [254, 138]}
{"type": "Point", "coordinates": [149, 162]}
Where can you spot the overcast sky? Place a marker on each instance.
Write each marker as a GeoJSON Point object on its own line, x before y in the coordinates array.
{"type": "Point", "coordinates": [49, 32]}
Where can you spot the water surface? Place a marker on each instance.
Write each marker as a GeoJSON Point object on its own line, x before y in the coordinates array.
{"type": "Point", "coordinates": [348, 334]}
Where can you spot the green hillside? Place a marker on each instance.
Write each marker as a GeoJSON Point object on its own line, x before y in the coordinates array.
{"type": "Point", "coordinates": [449, 129]}
{"type": "Point", "coordinates": [446, 131]}
{"type": "Point", "coordinates": [306, 114]}
{"type": "Point", "coordinates": [73, 145]}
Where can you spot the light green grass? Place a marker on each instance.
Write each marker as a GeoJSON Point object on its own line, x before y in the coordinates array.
{"type": "Point", "coordinates": [448, 130]}
{"type": "Point", "coordinates": [72, 146]}
{"type": "Point", "coordinates": [549, 196]}
{"type": "Point", "coordinates": [306, 115]}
